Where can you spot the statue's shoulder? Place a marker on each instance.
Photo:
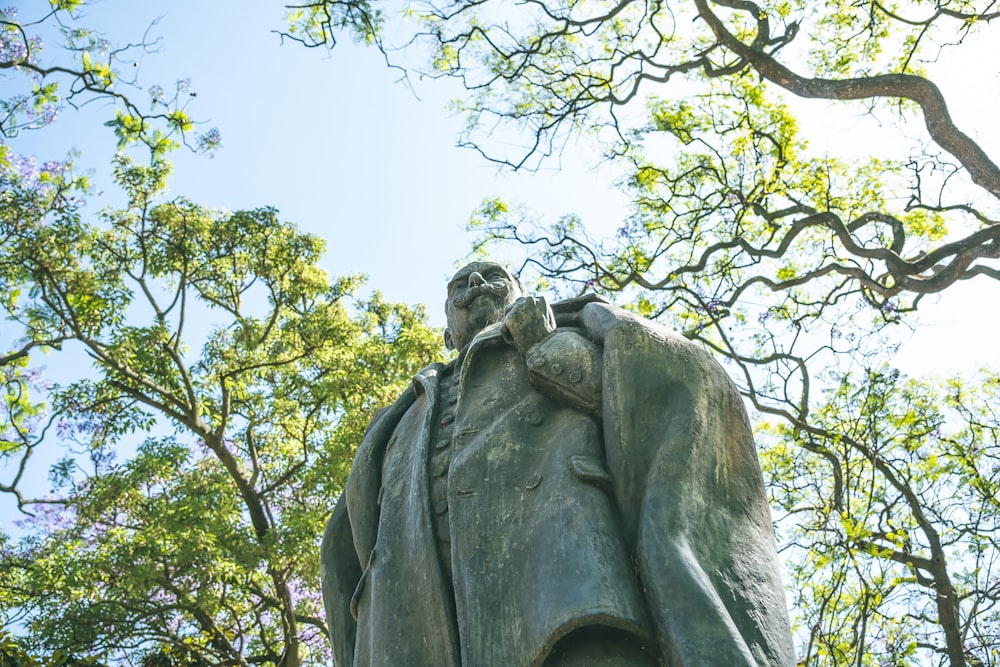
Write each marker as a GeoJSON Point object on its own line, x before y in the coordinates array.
{"type": "Point", "coordinates": [599, 316]}
{"type": "Point", "coordinates": [632, 335]}
{"type": "Point", "coordinates": [576, 303]}
{"type": "Point", "coordinates": [569, 313]}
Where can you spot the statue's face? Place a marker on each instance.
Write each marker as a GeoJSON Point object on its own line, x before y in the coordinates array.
{"type": "Point", "coordinates": [477, 297]}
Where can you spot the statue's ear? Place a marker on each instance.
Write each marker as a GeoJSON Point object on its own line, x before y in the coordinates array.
{"type": "Point", "coordinates": [448, 343]}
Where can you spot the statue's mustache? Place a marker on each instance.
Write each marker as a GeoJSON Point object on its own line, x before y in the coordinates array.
{"type": "Point", "coordinates": [467, 297]}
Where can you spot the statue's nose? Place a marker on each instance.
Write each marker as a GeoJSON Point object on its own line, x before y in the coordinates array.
{"type": "Point", "coordinates": [476, 279]}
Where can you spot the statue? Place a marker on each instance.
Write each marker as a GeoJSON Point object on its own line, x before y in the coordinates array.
{"type": "Point", "coordinates": [579, 487]}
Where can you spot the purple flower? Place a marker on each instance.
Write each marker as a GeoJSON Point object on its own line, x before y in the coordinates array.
{"type": "Point", "coordinates": [9, 435]}
{"type": "Point", "coordinates": [11, 49]}
{"type": "Point", "coordinates": [13, 46]}
{"type": "Point", "coordinates": [103, 457]}
{"type": "Point", "coordinates": [35, 377]}
{"type": "Point", "coordinates": [48, 518]}
{"type": "Point", "coordinates": [210, 142]}
{"type": "Point", "coordinates": [24, 167]}
{"type": "Point", "coordinates": [713, 306]}
{"type": "Point", "coordinates": [55, 168]}
{"type": "Point", "coordinates": [49, 113]}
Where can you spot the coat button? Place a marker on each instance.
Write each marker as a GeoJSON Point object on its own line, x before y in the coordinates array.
{"type": "Point", "coordinates": [556, 369]}
{"type": "Point", "coordinates": [440, 466]}
{"type": "Point", "coordinates": [575, 376]}
{"type": "Point", "coordinates": [533, 418]}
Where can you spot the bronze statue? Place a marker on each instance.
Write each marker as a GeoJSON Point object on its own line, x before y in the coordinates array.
{"type": "Point", "coordinates": [579, 487]}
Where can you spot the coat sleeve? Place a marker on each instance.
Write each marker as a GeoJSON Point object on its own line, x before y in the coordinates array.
{"type": "Point", "coordinates": [349, 538]}
{"type": "Point", "coordinates": [340, 573]}
{"type": "Point", "coordinates": [688, 485]}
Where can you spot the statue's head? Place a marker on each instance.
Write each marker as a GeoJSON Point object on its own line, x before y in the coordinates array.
{"type": "Point", "coordinates": [477, 297]}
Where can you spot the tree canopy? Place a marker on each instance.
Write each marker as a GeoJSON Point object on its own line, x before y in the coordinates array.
{"type": "Point", "coordinates": [801, 266]}
{"type": "Point", "coordinates": [230, 381]}
{"type": "Point", "coordinates": [242, 377]}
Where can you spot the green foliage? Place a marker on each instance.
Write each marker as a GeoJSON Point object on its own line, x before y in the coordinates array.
{"type": "Point", "coordinates": [317, 24]}
{"type": "Point", "coordinates": [246, 378]}
{"type": "Point", "coordinates": [911, 504]}
{"type": "Point", "coordinates": [84, 67]}
{"type": "Point", "coordinates": [796, 255]}
{"type": "Point", "coordinates": [223, 358]}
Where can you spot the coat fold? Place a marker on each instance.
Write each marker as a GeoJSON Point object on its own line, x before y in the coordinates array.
{"type": "Point", "coordinates": [650, 517]}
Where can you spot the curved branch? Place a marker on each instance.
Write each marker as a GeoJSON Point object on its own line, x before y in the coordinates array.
{"type": "Point", "coordinates": [983, 171]}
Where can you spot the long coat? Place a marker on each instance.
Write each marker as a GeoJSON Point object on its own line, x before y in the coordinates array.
{"type": "Point", "coordinates": [645, 513]}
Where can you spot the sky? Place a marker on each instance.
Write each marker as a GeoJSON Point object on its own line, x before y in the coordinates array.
{"type": "Point", "coordinates": [343, 149]}
{"type": "Point", "coordinates": [332, 139]}
{"type": "Point", "coordinates": [346, 151]}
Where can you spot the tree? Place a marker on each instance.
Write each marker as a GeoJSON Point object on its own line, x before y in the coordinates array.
{"type": "Point", "coordinates": [245, 377]}
{"type": "Point", "coordinates": [222, 357]}
{"type": "Point", "coordinates": [86, 67]}
{"type": "Point", "coordinates": [317, 24]}
{"type": "Point", "coordinates": [801, 267]}
{"type": "Point", "coordinates": [39, 85]}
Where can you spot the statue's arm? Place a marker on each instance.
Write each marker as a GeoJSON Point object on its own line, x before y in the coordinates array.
{"type": "Point", "coordinates": [562, 363]}
{"type": "Point", "coordinates": [340, 572]}
{"type": "Point", "coordinates": [687, 483]}
{"type": "Point", "coordinates": [568, 367]}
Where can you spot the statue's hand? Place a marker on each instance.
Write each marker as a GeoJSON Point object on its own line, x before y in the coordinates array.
{"type": "Point", "coordinates": [526, 322]}
{"type": "Point", "coordinates": [564, 365]}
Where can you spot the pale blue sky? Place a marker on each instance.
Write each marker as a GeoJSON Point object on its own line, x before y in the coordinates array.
{"type": "Point", "coordinates": [330, 139]}
{"type": "Point", "coordinates": [347, 153]}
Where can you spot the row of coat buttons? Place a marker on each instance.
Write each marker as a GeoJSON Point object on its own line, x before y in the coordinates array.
{"type": "Point", "coordinates": [556, 369]}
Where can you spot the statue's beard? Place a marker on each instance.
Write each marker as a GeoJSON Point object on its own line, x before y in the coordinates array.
{"type": "Point", "coordinates": [497, 294]}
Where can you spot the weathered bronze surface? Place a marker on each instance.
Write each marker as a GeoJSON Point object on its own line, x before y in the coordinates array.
{"type": "Point", "coordinates": [579, 487]}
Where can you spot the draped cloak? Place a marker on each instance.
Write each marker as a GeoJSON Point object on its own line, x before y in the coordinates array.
{"type": "Point", "coordinates": [643, 511]}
